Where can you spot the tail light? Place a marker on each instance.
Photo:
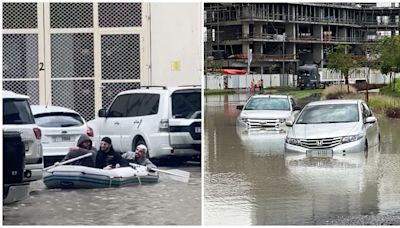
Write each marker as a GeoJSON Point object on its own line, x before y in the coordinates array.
{"type": "Point", "coordinates": [38, 133]}
{"type": "Point", "coordinates": [89, 132]}
{"type": "Point", "coordinates": [164, 125]}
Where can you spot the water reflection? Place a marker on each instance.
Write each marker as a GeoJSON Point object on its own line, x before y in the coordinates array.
{"type": "Point", "coordinates": [250, 180]}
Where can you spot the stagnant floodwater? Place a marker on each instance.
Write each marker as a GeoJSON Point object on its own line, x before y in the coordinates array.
{"type": "Point", "coordinates": [250, 180]}
{"type": "Point", "coordinates": [165, 203]}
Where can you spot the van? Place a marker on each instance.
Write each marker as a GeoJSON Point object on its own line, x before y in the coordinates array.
{"type": "Point", "coordinates": [165, 119]}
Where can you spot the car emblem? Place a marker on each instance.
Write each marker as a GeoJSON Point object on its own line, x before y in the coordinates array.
{"type": "Point", "coordinates": [320, 142]}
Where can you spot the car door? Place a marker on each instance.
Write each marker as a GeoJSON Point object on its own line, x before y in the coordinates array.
{"type": "Point", "coordinates": [371, 129]}
{"type": "Point", "coordinates": [141, 120]}
{"type": "Point", "coordinates": [111, 126]}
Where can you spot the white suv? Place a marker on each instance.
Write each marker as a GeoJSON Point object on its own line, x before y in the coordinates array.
{"type": "Point", "coordinates": [17, 117]}
{"type": "Point", "coordinates": [166, 119]}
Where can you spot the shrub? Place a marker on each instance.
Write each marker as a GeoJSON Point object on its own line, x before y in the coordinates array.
{"type": "Point", "coordinates": [393, 112]}
{"type": "Point", "coordinates": [338, 92]}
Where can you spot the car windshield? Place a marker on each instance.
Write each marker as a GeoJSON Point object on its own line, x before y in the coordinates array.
{"type": "Point", "coordinates": [329, 113]}
{"type": "Point", "coordinates": [17, 112]}
{"type": "Point", "coordinates": [186, 104]}
{"type": "Point", "coordinates": [58, 119]}
{"type": "Point", "coordinates": [268, 103]}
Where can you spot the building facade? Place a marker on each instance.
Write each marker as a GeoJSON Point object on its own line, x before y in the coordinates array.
{"type": "Point", "coordinates": [80, 55]}
{"type": "Point", "coordinates": [282, 36]}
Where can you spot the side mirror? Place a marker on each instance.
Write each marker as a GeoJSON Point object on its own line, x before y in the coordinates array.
{"type": "Point", "coordinates": [239, 107]}
{"type": "Point", "coordinates": [102, 112]}
{"type": "Point", "coordinates": [296, 108]}
{"type": "Point", "coordinates": [370, 120]}
{"type": "Point", "coordinates": [289, 123]}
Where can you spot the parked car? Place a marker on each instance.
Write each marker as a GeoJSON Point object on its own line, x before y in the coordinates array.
{"type": "Point", "coordinates": [17, 117]}
{"type": "Point", "coordinates": [61, 128]}
{"type": "Point", "coordinates": [333, 126]}
{"type": "Point", "coordinates": [266, 111]}
{"type": "Point", "coordinates": [166, 119]}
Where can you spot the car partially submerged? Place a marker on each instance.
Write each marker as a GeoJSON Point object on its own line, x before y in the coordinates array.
{"type": "Point", "coordinates": [324, 128]}
{"type": "Point", "coordinates": [268, 112]}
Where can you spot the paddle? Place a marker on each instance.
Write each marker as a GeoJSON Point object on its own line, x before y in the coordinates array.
{"type": "Point", "coordinates": [176, 174]}
{"type": "Point", "coordinates": [69, 161]}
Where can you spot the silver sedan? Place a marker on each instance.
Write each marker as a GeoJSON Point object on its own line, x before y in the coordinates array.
{"type": "Point", "coordinates": [324, 128]}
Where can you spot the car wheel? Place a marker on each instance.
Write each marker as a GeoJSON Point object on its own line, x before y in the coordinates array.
{"type": "Point", "coordinates": [366, 149]}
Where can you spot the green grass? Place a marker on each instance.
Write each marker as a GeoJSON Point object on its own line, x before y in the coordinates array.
{"type": "Point", "coordinates": [218, 91]}
{"type": "Point", "coordinates": [296, 93]}
{"type": "Point", "coordinates": [390, 91]}
{"type": "Point", "coordinates": [380, 104]}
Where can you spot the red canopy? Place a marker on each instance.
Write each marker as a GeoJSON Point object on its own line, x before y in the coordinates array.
{"type": "Point", "coordinates": [233, 71]}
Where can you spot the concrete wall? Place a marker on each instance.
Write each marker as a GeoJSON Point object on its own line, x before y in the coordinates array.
{"type": "Point", "coordinates": [176, 44]}
{"type": "Point", "coordinates": [244, 81]}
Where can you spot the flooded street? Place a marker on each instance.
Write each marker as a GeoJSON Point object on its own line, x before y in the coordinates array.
{"type": "Point", "coordinates": [250, 180]}
{"type": "Point", "coordinates": [168, 202]}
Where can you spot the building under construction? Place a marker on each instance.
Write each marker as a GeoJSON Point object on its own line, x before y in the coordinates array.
{"type": "Point", "coordinates": [283, 36]}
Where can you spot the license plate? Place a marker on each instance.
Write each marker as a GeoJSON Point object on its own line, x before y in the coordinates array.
{"type": "Point", "coordinates": [197, 129]}
{"type": "Point", "coordinates": [63, 138]}
{"type": "Point", "coordinates": [319, 153]}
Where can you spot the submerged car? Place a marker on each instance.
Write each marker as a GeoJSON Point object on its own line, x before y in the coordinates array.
{"type": "Point", "coordinates": [266, 111]}
{"type": "Point", "coordinates": [61, 127]}
{"type": "Point", "coordinates": [324, 128]}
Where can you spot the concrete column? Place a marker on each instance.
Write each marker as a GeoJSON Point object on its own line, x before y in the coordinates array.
{"type": "Point", "coordinates": [290, 31]}
{"type": "Point", "coordinates": [342, 34]}
{"type": "Point", "coordinates": [258, 29]}
{"type": "Point", "coordinates": [318, 53]}
{"type": "Point", "coordinates": [245, 32]}
{"type": "Point", "coordinates": [318, 33]}
{"type": "Point", "coordinates": [245, 29]}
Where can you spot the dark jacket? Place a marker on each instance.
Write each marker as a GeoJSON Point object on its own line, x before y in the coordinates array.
{"type": "Point", "coordinates": [104, 159]}
{"type": "Point", "coordinates": [88, 161]}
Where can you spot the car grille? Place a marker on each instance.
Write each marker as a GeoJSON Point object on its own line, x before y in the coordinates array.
{"type": "Point", "coordinates": [263, 123]}
{"type": "Point", "coordinates": [320, 143]}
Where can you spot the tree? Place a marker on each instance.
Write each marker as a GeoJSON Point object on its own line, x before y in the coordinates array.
{"type": "Point", "coordinates": [370, 59]}
{"type": "Point", "coordinates": [389, 56]}
{"type": "Point", "coordinates": [342, 62]}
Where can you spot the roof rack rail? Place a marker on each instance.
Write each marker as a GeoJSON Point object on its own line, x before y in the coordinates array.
{"type": "Point", "coordinates": [190, 86]}
{"type": "Point", "coordinates": [148, 87]}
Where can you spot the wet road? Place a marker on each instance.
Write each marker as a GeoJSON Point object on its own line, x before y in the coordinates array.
{"type": "Point", "coordinates": [249, 180]}
{"type": "Point", "coordinates": [168, 202]}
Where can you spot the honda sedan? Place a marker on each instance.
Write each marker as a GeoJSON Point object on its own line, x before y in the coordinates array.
{"type": "Point", "coordinates": [333, 126]}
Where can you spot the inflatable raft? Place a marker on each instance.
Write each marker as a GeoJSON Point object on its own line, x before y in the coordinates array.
{"type": "Point", "coordinates": [72, 176]}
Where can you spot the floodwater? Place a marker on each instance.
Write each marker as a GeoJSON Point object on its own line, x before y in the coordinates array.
{"type": "Point", "coordinates": [250, 180]}
{"type": "Point", "coordinates": [168, 202]}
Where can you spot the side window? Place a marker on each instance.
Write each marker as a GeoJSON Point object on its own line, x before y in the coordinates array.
{"type": "Point", "coordinates": [133, 106]}
{"type": "Point", "coordinates": [365, 111]}
{"type": "Point", "coordinates": [149, 105]}
{"type": "Point", "coordinates": [119, 107]}
{"type": "Point", "coordinates": [293, 103]}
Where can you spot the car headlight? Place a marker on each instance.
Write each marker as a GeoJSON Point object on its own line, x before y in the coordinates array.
{"type": "Point", "coordinates": [292, 141]}
{"type": "Point", "coordinates": [351, 138]}
{"type": "Point", "coordinates": [245, 120]}
{"type": "Point", "coordinates": [282, 120]}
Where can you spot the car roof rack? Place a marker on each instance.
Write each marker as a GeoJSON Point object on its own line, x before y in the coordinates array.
{"type": "Point", "coordinates": [149, 87]}
{"type": "Point", "coordinates": [190, 86]}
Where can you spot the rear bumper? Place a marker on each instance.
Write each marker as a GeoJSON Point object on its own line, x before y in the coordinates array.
{"type": "Point", "coordinates": [35, 172]}
{"type": "Point", "coordinates": [55, 151]}
{"type": "Point", "coordinates": [176, 144]}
